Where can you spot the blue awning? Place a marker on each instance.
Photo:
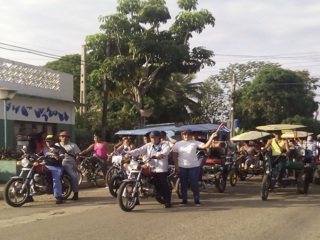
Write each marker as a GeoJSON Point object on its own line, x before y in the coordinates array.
{"type": "Point", "coordinates": [193, 127]}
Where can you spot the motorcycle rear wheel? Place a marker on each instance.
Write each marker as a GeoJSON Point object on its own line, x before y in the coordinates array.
{"type": "Point", "coordinates": [114, 185]}
{"type": "Point", "coordinates": [12, 195]}
{"type": "Point", "coordinates": [265, 187]}
{"type": "Point", "coordinates": [125, 199]}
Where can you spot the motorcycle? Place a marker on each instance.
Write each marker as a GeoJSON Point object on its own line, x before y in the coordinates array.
{"type": "Point", "coordinates": [141, 183]}
{"type": "Point", "coordinates": [34, 179]}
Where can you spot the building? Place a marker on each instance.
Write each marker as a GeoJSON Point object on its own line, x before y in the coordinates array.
{"type": "Point", "coordinates": [44, 100]}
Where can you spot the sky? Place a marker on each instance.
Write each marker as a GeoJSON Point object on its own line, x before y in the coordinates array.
{"type": "Point", "coordinates": [279, 31]}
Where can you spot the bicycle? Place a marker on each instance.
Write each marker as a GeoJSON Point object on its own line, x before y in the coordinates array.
{"type": "Point", "coordinates": [92, 171]}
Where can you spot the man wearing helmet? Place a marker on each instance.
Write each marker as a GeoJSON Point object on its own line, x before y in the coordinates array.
{"type": "Point", "coordinates": [158, 151]}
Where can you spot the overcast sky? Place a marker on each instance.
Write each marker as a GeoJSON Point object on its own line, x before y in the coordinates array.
{"type": "Point", "coordinates": [282, 31]}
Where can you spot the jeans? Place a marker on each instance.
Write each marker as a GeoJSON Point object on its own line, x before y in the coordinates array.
{"type": "Point", "coordinates": [190, 175]}
{"type": "Point", "coordinates": [279, 162]}
{"type": "Point", "coordinates": [69, 168]}
{"type": "Point", "coordinates": [56, 177]}
{"type": "Point", "coordinates": [164, 186]}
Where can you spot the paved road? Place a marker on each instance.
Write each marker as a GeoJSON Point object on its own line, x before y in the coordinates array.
{"type": "Point", "coordinates": [239, 213]}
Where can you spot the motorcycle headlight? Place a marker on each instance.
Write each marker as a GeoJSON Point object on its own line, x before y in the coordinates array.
{"type": "Point", "coordinates": [25, 162]}
{"type": "Point", "coordinates": [134, 165]}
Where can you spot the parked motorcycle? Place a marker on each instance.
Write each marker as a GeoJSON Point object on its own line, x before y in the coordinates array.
{"type": "Point", "coordinates": [34, 179]}
{"type": "Point", "coordinates": [141, 183]}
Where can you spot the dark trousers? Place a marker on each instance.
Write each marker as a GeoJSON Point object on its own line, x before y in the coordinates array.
{"type": "Point", "coordinates": [280, 162]}
{"type": "Point", "coordinates": [164, 186]}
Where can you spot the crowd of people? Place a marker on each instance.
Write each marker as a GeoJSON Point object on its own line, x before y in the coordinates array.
{"type": "Point", "coordinates": [188, 155]}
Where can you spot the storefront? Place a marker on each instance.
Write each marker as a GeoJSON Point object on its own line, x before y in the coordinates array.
{"type": "Point", "coordinates": [44, 101]}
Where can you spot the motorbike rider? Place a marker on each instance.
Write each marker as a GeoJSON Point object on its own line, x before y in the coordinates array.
{"type": "Point", "coordinates": [69, 163]}
{"type": "Point", "coordinates": [53, 161]}
{"type": "Point", "coordinates": [279, 152]}
{"type": "Point", "coordinates": [158, 151]}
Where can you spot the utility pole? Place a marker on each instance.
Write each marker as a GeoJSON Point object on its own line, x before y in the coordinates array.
{"type": "Point", "coordinates": [83, 81]}
{"type": "Point", "coordinates": [105, 98]}
{"type": "Point", "coordinates": [232, 104]}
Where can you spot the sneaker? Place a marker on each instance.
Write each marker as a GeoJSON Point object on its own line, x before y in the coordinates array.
{"type": "Point", "coordinates": [198, 204]}
{"type": "Point", "coordinates": [167, 205]}
{"type": "Point", "coordinates": [183, 203]}
{"type": "Point", "coordinates": [59, 200]}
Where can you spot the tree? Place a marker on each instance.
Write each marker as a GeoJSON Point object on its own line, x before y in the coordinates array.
{"type": "Point", "coordinates": [214, 103]}
{"type": "Point", "coordinates": [273, 96]}
{"type": "Point", "coordinates": [143, 54]}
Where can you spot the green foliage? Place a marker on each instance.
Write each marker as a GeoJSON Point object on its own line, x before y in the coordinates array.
{"type": "Point", "coordinates": [214, 104]}
{"type": "Point", "coordinates": [273, 96]}
{"type": "Point", "coordinates": [141, 54]}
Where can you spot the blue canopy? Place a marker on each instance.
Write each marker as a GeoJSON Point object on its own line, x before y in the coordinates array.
{"type": "Point", "coordinates": [208, 127]}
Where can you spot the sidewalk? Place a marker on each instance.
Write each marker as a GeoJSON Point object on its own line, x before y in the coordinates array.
{"type": "Point", "coordinates": [82, 186]}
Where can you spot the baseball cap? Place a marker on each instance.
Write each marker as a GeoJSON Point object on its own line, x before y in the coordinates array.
{"type": "Point", "coordinates": [49, 138]}
{"type": "Point", "coordinates": [155, 134]}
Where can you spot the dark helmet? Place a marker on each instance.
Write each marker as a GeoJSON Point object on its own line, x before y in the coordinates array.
{"type": "Point", "coordinates": [155, 134]}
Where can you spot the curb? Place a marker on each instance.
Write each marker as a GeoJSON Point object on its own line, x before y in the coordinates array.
{"type": "Point", "coordinates": [83, 185]}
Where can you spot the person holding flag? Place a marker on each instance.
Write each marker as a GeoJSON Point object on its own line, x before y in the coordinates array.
{"type": "Point", "coordinates": [186, 163]}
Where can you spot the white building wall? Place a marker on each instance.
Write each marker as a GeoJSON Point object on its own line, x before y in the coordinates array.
{"type": "Point", "coordinates": [33, 110]}
{"type": "Point", "coordinates": [36, 81]}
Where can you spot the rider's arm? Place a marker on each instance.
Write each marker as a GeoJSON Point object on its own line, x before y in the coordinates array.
{"type": "Point", "coordinates": [89, 149]}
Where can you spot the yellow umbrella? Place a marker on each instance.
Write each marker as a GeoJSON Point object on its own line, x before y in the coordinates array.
{"type": "Point", "coordinates": [276, 127]}
{"type": "Point", "coordinates": [295, 134]}
{"type": "Point", "coordinates": [247, 136]}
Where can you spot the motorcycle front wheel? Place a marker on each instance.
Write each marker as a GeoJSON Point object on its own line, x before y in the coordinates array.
{"type": "Point", "coordinates": [221, 182]}
{"type": "Point", "coordinates": [13, 195]}
{"type": "Point", "coordinates": [66, 186]}
{"type": "Point", "coordinates": [113, 171]}
{"type": "Point", "coordinates": [99, 179]}
{"type": "Point", "coordinates": [114, 185]}
{"type": "Point", "coordinates": [233, 178]}
{"type": "Point", "coordinates": [126, 198]}
{"type": "Point", "coordinates": [265, 187]}
{"type": "Point", "coordinates": [80, 177]}
{"type": "Point", "coordinates": [302, 183]}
